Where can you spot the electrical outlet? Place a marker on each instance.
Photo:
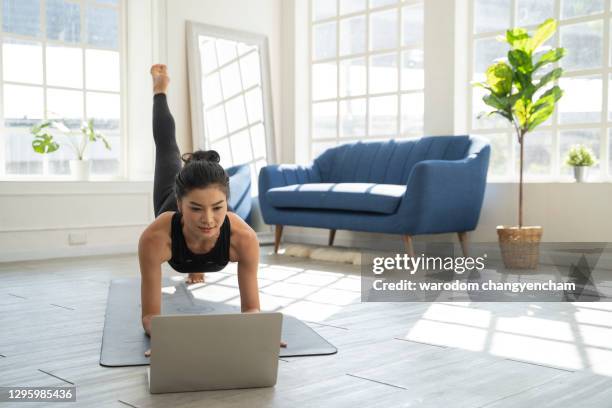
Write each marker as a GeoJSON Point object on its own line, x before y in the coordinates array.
{"type": "Point", "coordinates": [77, 238]}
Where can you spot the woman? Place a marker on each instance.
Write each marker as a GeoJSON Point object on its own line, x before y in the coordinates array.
{"type": "Point", "coordinates": [193, 231]}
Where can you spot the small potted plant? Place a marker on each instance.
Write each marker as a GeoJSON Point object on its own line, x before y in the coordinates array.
{"type": "Point", "coordinates": [517, 93]}
{"type": "Point", "coordinates": [44, 143]}
{"type": "Point", "coordinates": [580, 158]}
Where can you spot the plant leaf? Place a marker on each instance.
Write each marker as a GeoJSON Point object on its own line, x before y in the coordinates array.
{"type": "Point", "coordinates": [520, 60]}
{"type": "Point", "coordinates": [551, 76]}
{"type": "Point", "coordinates": [540, 116]}
{"type": "Point", "coordinates": [496, 102]}
{"type": "Point", "coordinates": [60, 126]}
{"type": "Point", "coordinates": [104, 140]}
{"type": "Point", "coordinates": [499, 78]}
{"type": "Point", "coordinates": [544, 107]}
{"type": "Point", "coordinates": [522, 81]}
{"type": "Point", "coordinates": [549, 57]}
{"type": "Point", "coordinates": [543, 33]}
{"type": "Point", "coordinates": [521, 110]}
{"type": "Point", "coordinates": [502, 113]}
{"type": "Point", "coordinates": [517, 38]}
{"type": "Point", "coordinates": [551, 96]}
{"type": "Point", "coordinates": [43, 144]}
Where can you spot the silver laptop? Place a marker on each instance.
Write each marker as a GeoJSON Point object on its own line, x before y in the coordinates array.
{"type": "Point", "coordinates": [213, 352]}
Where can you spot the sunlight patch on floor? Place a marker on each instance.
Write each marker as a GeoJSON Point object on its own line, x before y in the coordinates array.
{"type": "Point", "coordinates": [311, 311]}
{"type": "Point", "coordinates": [564, 336]}
{"type": "Point", "coordinates": [552, 353]}
{"type": "Point", "coordinates": [448, 334]}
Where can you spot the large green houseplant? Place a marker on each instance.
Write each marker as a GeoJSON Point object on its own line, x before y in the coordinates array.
{"type": "Point", "coordinates": [518, 92]}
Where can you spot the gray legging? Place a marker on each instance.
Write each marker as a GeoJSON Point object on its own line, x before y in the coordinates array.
{"type": "Point", "coordinates": [167, 156]}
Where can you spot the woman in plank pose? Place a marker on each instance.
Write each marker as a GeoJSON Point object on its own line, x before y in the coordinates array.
{"type": "Point", "coordinates": [193, 230]}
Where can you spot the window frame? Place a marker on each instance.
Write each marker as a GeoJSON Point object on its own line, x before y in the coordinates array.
{"type": "Point", "coordinates": [200, 137]}
{"type": "Point", "coordinates": [82, 45]}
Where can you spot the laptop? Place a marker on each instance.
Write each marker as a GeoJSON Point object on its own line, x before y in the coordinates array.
{"type": "Point", "coordinates": [214, 352]}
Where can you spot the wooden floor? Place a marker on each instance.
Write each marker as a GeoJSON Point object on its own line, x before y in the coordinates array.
{"type": "Point", "coordinates": [389, 354]}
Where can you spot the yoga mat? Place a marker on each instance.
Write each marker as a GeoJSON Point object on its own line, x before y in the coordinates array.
{"type": "Point", "coordinates": [124, 341]}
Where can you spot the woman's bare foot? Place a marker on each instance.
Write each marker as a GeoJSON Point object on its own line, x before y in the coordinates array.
{"type": "Point", "coordinates": [159, 72]}
{"type": "Point", "coordinates": [195, 278]}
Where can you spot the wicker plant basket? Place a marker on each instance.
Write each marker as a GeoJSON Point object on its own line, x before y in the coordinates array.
{"type": "Point", "coordinates": [520, 247]}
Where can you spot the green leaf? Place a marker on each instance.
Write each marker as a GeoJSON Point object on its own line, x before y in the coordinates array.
{"type": "Point", "coordinates": [104, 140]}
{"type": "Point", "coordinates": [542, 34]}
{"type": "Point", "coordinates": [39, 127]}
{"type": "Point", "coordinates": [43, 144]}
{"type": "Point", "coordinates": [481, 85]}
{"type": "Point", "coordinates": [544, 107]}
{"type": "Point", "coordinates": [522, 80]}
{"type": "Point", "coordinates": [549, 57]}
{"type": "Point", "coordinates": [528, 91]}
{"type": "Point", "coordinates": [497, 102]}
{"type": "Point", "coordinates": [499, 78]}
{"type": "Point", "coordinates": [520, 60]}
{"type": "Point", "coordinates": [517, 38]}
{"type": "Point", "coordinates": [521, 110]}
{"type": "Point", "coordinates": [502, 113]}
{"type": "Point", "coordinates": [551, 76]}
{"type": "Point", "coordinates": [540, 116]}
{"type": "Point", "coordinates": [549, 97]}
{"type": "Point", "coordinates": [61, 127]}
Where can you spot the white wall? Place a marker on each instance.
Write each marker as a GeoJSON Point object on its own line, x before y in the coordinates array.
{"type": "Point", "coordinates": [39, 219]}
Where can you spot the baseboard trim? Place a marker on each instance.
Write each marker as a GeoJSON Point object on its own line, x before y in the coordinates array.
{"type": "Point", "coordinates": [73, 252]}
{"type": "Point", "coordinates": [383, 243]}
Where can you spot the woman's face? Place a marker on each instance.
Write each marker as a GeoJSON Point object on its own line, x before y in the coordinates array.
{"type": "Point", "coordinates": [204, 210]}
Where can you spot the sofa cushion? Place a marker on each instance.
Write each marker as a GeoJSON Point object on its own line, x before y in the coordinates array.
{"type": "Point", "coordinates": [370, 197]}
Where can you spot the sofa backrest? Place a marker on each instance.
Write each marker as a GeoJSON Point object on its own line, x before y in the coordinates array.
{"type": "Point", "coordinates": [388, 161]}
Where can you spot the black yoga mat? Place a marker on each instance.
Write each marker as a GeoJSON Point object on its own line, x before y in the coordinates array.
{"type": "Point", "coordinates": [124, 341]}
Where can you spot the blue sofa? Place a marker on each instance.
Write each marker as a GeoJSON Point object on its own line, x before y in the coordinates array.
{"type": "Point", "coordinates": [408, 187]}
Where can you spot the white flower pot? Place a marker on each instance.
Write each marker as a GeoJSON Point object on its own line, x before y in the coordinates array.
{"type": "Point", "coordinates": [580, 173]}
{"type": "Point", "coordinates": [79, 169]}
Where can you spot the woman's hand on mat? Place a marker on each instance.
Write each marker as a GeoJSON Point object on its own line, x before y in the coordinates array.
{"type": "Point", "coordinates": [146, 324]}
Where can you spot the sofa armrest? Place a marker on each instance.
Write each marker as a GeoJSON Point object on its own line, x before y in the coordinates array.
{"type": "Point", "coordinates": [276, 175]}
{"type": "Point", "coordinates": [279, 175]}
{"type": "Point", "coordinates": [446, 195]}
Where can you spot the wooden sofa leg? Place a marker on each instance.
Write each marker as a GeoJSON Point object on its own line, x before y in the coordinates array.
{"type": "Point", "coordinates": [463, 239]}
{"type": "Point", "coordinates": [278, 233]}
{"type": "Point", "coordinates": [332, 235]}
{"type": "Point", "coordinates": [408, 244]}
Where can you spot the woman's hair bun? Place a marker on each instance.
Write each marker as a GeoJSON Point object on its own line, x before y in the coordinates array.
{"type": "Point", "coordinates": [204, 155]}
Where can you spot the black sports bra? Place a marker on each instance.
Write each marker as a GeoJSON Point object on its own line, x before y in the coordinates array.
{"type": "Point", "coordinates": [183, 260]}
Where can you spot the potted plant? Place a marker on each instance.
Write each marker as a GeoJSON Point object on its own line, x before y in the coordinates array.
{"type": "Point", "coordinates": [580, 158]}
{"type": "Point", "coordinates": [44, 143]}
{"type": "Point", "coordinates": [512, 86]}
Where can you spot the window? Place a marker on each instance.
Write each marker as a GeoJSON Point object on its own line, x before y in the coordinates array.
{"type": "Point", "coordinates": [60, 59]}
{"type": "Point", "coordinates": [580, 116]}
{"type": "Point", "coordinates": [366, 77]}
